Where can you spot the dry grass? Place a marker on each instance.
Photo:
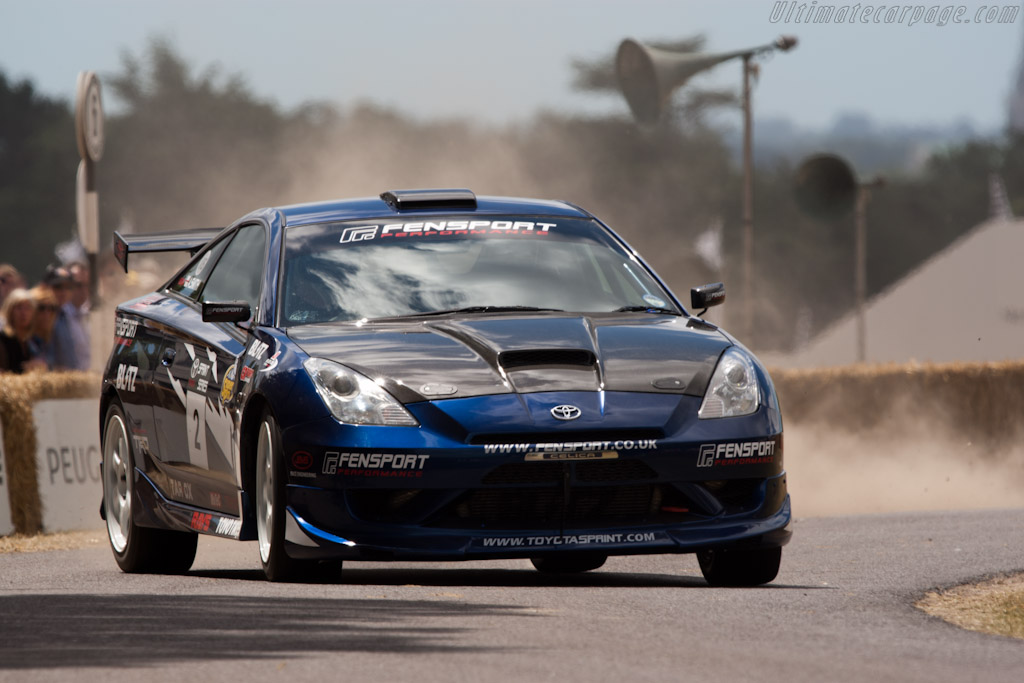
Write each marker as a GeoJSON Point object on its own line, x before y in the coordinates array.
{"type": "Point", "coordinates": [70, 540]}
{"type": "Point", "coordinates": [995, 606]}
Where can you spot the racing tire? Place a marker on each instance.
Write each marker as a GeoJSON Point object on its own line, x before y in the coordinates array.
{"type": "Point", "coordinates": [271, 505]}
{"type": "Point", "coordinates": [740, 567]}
{"type": "Point", "coordinates": [568, 564]}
{"type": "Point", "coordinates": [137, 549]}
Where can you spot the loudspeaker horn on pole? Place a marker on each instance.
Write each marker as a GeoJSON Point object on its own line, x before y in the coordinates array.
{"type": "Point", "coordinates": [825, 186]}
{"type": "Point", "coordinates": [648, 75]}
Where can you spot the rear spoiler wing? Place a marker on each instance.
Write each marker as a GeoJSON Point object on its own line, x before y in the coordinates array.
{"type": "Point", "coordinates": [179, 240]}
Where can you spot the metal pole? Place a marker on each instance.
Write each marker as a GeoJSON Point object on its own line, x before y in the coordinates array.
{"type": "Point", "coordinates": [748, 207]}
{"type": "Point", "coordinates": [92, 205]}
{"type": "Point", "coordinates": [860, 275]}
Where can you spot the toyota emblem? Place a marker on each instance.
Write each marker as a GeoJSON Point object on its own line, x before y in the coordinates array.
{"type": "Point", "coordinates": [566, 412]}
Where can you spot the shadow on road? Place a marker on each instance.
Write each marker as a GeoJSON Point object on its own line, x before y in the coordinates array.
{"type": "Point", "coordinates": [353, 575]}
{"type": "Point", "coordinates": [62, 631]}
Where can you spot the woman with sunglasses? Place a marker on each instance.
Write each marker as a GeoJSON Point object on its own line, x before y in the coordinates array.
{"type": "Point", "coordinates": [19, 311]}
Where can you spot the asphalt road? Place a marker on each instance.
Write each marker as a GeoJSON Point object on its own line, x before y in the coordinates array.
{"type": "Point", "coordinates": [841, 610]}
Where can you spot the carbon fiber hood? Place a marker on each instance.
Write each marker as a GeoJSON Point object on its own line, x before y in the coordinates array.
{"type": "Point", "coordinates": [475, 355]}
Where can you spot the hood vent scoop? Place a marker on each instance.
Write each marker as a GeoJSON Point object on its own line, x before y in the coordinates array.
{"type": "Point", "coordinates": [532, 358]}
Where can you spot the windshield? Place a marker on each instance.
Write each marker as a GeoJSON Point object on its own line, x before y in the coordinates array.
{"type": "Point", "coordinates": [349, 271]}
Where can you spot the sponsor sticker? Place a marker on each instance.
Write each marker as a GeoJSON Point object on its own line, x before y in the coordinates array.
{"type": "Point", "coordinates": [227, 526]}
{"type": "Point", "coordinates": [141, 443]}
{"type": "Point", "coordinates": [125, 380]}
{"type": "Point", "coordinates": [736, 453]}
{"type": "Point", "coordinates": [124, 330]}
{"type": "Point", "coordinates": [374, 464]}
{"type": "Point", "coordinates": [180, 490]}
{"type": "Point", "coordinates": [210, 523]}
{"type": "Point", "coordinates": [201, 521]}
{"type": "Point", "coordinates": [257, 350]}
{"type": "Point", "coordinates": [301, 460]}
{"type": "Point", "coordinates": [198, 374]}
{"type": "Point", "coordinates": [190, 282]}
{"type": "Point", "coordinates": [228, 385]}
{"type": "Point", "coordinates": [555, 541]}
{"type": "Point", "coordinates": [271, 362]}
{"type": "Point", "coordinates": [574, 455]}
{"type": "Point", "coordinates": [563, 447]}
{"type": "Point", "coordinates": [365, 233]}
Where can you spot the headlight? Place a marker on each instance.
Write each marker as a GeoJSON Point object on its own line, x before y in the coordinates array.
{"type": "Point", "coordinates": [733, 390]}
{"type": "Point", "coordinates": [356, 399]}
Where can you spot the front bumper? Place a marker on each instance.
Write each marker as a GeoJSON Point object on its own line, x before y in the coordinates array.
{"type": "Point", "coordinates": [763, 522]}
{"type": "Point", "coordinates": [489, 478]}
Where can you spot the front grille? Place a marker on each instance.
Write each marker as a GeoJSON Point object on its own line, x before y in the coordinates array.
{"type": "Point", "coordinates": [614, 470]}
{"type": "Point", "coordinates": [525, 473]}
{"type": "Point", "coordinates": [585, 471]}
{"type": "Point", "coordinates": [541, 496]}
{"type": "Point", "coordinates": [543, 508]}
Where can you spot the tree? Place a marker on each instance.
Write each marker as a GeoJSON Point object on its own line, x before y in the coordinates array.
{"type": "Point", "coordinates": [38, 162]}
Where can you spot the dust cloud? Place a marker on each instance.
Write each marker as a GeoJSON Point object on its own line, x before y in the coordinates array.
{"type": "Point", "coordinates": [596, 165]}
{"type": "Point", "coordinates": [915, 467]}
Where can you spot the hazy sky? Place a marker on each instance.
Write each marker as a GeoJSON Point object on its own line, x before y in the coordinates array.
{"type": "Point", "coordinates": [502, 60]}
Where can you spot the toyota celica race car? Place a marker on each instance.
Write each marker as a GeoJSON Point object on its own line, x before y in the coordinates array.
{"type": "Point", "coordinates": [432, 375]}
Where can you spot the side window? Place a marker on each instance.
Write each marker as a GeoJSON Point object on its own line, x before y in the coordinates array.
{"type": "Point", "coordinates": [238, 273]}
{"type": "Point", "coordinates": [191, 281]}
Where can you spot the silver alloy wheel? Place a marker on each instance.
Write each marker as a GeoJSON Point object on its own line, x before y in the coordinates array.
{"type": "Point", "coordinates": [117, 483]}
{"type": "Point", "coordinates": [264, 490]}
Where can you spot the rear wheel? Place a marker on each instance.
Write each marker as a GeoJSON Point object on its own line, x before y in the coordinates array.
{"type": "Point", "coordinates": [270, 508]}
{"type": "Point", "coordinates": [136, 548]}
{"type": "Point", "coordinates": [740, 567]}
{"type": "Point", "coordinates": [568, 564]}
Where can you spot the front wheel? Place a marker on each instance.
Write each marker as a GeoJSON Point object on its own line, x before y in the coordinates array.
{"type": "Point", "coordinates": [740, 567]}
{"type": "Point", "coordinates": [270, 508]}
{"type": "Point", "coordinates": [136, 548]}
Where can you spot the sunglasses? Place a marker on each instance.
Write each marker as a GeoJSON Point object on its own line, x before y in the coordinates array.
{"type": "Point", "coordinates": [47, 307]}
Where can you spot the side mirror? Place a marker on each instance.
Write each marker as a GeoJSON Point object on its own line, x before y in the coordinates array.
{"type": "Point", "coordinates": [706, 296]}
{"type": "Point", "coordinates": [226, 311]}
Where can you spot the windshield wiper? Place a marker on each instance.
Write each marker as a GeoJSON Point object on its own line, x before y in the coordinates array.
{"type": "Point", "coordinates": [482, 309]}
{"type": "Point", "coordinates": [646, 309]}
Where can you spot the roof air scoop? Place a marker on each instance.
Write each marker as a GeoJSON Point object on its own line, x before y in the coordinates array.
{"type": "Point", "coordinates": [411, 200]}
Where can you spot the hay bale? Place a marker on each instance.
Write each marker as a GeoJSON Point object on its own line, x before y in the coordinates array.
{"type": "Point", "coordinates": [978, 402]}
{"type": "Point", "coordinates": [18, 395]}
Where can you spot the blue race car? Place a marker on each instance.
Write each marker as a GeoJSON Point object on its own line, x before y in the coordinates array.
{"type": "Point", "coordinates": [432, 375]}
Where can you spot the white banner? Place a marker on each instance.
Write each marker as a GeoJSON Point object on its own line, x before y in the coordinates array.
{"type": "Point", "coordinates": [68, 463]}
{"type": "Point", "coordinates": [6, 526]}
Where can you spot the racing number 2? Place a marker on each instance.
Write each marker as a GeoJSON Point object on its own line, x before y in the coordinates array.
{"type": "Point", "coordinates": [195, 409]}
{"type": "Point", "coordinates": [195, 417]}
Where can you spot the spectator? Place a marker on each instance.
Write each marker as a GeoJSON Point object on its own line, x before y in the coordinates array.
{"type": "Point", "coordinates": [58, 279]}
{"type": "Point", "coordinates": [19, 310]}
{"type": "Point", "coordinates": [41, 342]}
{"type": "Point", "coordinates": [79, 310]}
{"type": "Point", "coordinates": [10, 279]}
